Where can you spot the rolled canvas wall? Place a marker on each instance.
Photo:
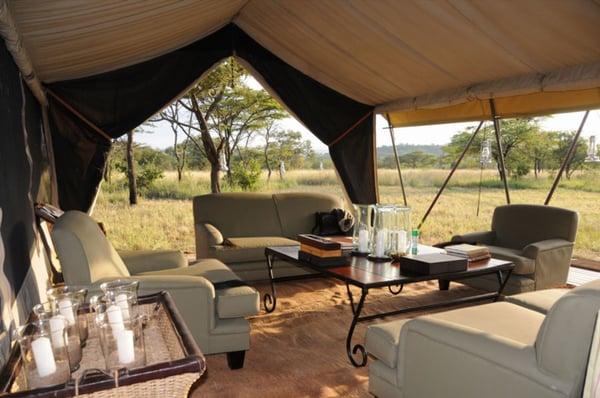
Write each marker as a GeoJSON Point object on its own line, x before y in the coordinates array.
{"type": "Point", "coordinates": [24, 178]}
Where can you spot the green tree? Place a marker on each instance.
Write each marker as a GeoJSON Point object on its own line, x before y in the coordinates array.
{"type": "Point", "coordinates": [417, 159]}
{"type": "Point", "coordinates": [289, 147]}
{"type": "Point", "coordinates": [564, 141]}
{"type": "Point", "coordinates": [220, 114]}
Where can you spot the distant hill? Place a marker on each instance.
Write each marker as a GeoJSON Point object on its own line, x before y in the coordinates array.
{"type": "Point", "coordinates": [403, 149]}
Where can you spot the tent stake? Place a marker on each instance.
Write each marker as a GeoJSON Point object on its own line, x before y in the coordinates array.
{"type": "Point", "coordinates": [567, 158]}
{"type": "Point", "coordinates": [460, 158]}
{"type": "Point", "coordinates": [500, 150]}
{"type": "Point", "coordinates": [396, 157]}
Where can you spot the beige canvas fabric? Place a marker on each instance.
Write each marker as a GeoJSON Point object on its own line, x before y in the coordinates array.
{"type": "Point", "coordinates": [421, 62]}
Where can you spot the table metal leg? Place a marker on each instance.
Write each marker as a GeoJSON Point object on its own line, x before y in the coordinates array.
{"type": "Point", "coordinates": [396, 292]}
{"type": "Point", "coordinates": [502, 280]}
{"type": "Point", "coordinates": [351, 298]}
{"type": "Point", "coordinates": [270, 299]}
{"type": "Point", "coordinates": [358, 348]}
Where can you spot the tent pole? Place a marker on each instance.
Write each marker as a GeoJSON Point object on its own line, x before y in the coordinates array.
{"type": "Point", "coordinates": [567, 158]}
{"type": "Point", "coordinates": [500, 150]}
{"type": "Point", "coordinates": [460, 158]}
{"type": "Point", "coordinates": [391, 128]}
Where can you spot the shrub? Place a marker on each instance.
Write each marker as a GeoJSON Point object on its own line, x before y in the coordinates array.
{"type": "Point", "coordinates": [246, 174]}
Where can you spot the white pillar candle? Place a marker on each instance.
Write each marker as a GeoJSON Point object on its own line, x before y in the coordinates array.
{"type": "Point", "coordinates": [363, 241]}
{"type": "Point", "coordinates": [115, 317]}
{"type": "Point", "coordinates": [125, 347]}
{"type": "Point", "coordinates": [43, 356]}
{"type": "Point", "coordinates": [57, 327]}
{"type": "Point", "coordinates": [123, 303]}
{"type": "Point", "coordinates": [380, 243]}
{"type": "Point", "coordinates": [65, 308]}
{"type": "Point", "coordinates": [402, 241]}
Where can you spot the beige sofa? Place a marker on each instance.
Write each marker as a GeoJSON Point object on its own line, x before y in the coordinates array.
{"type": "Point", "coordinates": [208, 294]}
{"type": "Point", "coordinates": [538, 239]}
{"type": "Point", "coordinates": [236, 227]}
{"type": "Point", "coordinates": [537, 345]}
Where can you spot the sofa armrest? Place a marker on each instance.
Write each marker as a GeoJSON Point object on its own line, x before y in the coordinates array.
{"type": "Point", "coordinates": [207, 235]}
{"type": "Point", "coordinates": [533, 250]}
{"type": "Point", "coordinates": [471, 347]}
{"type": "Point", "coordinates": [486, 238]}
{"type": "Point", "coordinates": [138, 261]}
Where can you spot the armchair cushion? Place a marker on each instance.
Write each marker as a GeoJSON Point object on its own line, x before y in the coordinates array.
{"type": "Point", "coordinates": [138, 261]}
{"type": "Point", "coordinates": [523, 265]}
{"type": "Point", "coordinates": [540, 301]}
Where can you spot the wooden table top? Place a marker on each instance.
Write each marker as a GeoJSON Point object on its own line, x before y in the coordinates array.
{"type": "Point", "coordinates": [365, 273]}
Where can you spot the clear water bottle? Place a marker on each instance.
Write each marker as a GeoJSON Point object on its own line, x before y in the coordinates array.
{"type": "Point", "coordinates": [414, 241]}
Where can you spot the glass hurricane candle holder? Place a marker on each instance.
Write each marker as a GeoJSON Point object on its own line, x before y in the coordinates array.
{"type": "Point", "coordinates": [61, 324]}
{"type": "Point", "coordinates": [63, 294]}
{"type": "Point", "coordinates": [363, 228]}
{"type": "Point", "coordinates": [379, 237]}
{"type": "Point", "coordinates": [398, 227]}
{"type": "Point", "coordinates": [118, 286]}
{"type": "Point", "coordinates": [122, 340]}
{"type": "Point", "coordinates": [44, 353]}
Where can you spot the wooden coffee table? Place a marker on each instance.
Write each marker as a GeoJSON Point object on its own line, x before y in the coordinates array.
{"type": "Point", "coordinates": [366, 275]}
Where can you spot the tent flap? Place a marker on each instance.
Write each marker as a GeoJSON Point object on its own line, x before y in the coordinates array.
{"type": "Point", "coordinates": [122, 99]}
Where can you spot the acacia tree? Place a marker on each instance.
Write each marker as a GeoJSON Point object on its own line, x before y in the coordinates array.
{"type": "Point", "coordinates": [219, 113]}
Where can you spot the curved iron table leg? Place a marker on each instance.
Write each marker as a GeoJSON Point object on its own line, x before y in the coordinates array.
{"type": "Point", "coordinates": [396, 292]}
{"type": "Point", "coordinates": [351, 298]}
{"type": "Point", "coordinates": [270, 299]}
{"type": "Point", "coordinates": [358, 348]}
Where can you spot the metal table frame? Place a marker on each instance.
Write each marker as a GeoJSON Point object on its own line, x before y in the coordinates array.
{"type": "Point", "coordinates": [502, 271]}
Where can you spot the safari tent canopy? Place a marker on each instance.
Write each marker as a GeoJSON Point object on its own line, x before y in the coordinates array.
{"type": "Point", "coordinates": [95, 69]}
{"type": "Point", "coordinates": [330, 62]}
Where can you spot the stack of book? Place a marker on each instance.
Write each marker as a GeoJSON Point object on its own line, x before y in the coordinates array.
{"type": "Point", "coordinates": [470, 252]}
{"type": "Point", "coordinates": [320, 251]}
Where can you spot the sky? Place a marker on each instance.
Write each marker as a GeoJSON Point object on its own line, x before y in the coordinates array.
{"type": "Point", "coordinates": [440, 134]}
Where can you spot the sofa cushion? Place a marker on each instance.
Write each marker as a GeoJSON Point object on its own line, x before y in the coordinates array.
{"type": "Point", "coordinates": [523, 265]}
{"type": "Point", "coordinates": [247, 249]}
{"type": "Point", "coordinates": [382, 341]}
{"type": "Point", "coordinates": [237, 302]}
{"type": "Point", "coordinates": [296, 210]}
{"type": "Point", "coordinates": [209, 268]}
{"type": "Point", "coordinates": [238, 214]}
{"type": "Point", "coordinates": [540, 301]}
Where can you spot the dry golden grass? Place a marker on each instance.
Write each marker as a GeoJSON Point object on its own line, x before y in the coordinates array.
{"type": "Point", "coordinates": [168, 223]}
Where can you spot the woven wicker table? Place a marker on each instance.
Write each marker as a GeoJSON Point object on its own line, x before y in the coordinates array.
{"type": "Point", "coordinates": [173, 361]}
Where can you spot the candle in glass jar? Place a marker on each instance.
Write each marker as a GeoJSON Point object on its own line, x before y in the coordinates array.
{"type": "Point", "coordinates": [115, 317]}
{"type": "Point", "coordinates": [65, 308]}
{"type": "Point", "coordinates": [363, 241]}
{"type": "Point", "coordinates": [380, 243]}
{"type": "Point", "coordinates": [402, 241]}
{"type": "Point", "coordinates": [57, 327]}
{"type": "Point", "coordinates": [125, 346]}
{"type": "Point", "coordinates": [43, 356]}
{"type": "Point", "coordinates": [123, 303]}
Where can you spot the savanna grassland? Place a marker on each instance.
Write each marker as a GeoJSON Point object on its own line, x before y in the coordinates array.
{"type": "Point", "coordinates": [163, 218]}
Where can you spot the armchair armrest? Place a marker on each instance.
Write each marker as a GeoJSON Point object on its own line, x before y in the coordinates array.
{"type": "Point", "coordinates": [138, 261]}
{"type": "Point", "coordinates": [534, 249]}
{"type": "Point", "coordinates": [207, 235]}
{"type": "Point", "coordinates": [486, 238]}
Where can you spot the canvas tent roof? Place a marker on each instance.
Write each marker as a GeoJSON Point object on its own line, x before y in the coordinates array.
{"type": "Point", "coordinates": [420, 61]}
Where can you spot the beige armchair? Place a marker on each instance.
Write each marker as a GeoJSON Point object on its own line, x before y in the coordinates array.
{"type": "Point", "coordinates": [538, 239]}
{"type": "Point", "coordinates": [211, 298]}
{"type": "Point", "coordinates": [493, 350]}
